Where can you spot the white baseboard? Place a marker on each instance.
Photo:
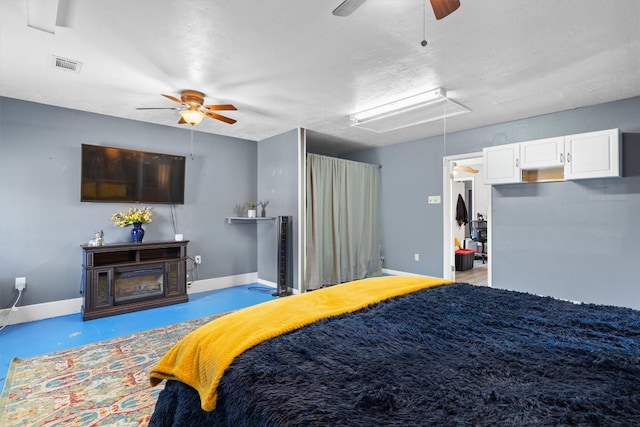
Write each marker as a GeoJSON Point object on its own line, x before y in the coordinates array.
{"type": "Point", "coordinates": [216, 283]}
{"type": "Point", "coordinates": [47, 310]}
{"type": "Point", "coordinates": [268, 283]}
{"type": "Point", "coordinates": [275, 286]}
{"type": "Point", "coordinates": [33, 312]}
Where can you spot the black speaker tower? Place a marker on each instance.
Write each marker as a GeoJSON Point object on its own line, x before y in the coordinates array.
{"type": "Point", "coordinates": [285, 254]}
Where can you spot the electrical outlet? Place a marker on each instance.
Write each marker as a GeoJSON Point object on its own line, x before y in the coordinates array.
{"type": "Point", "coordinates": [197, 259]}
{"type": "Point", "coordinates": [21, 283]}
{"type": "Point", "coordinates": [416, 257]}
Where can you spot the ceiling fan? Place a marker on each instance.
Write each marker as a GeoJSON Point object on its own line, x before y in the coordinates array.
{"type": "Point", "coordinates": [441, 8]}
{"type": "Point", "coordinates": [193, 109]}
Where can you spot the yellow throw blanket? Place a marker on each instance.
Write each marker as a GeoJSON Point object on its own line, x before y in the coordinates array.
{"type": "Point", "coordinates": [200, 358]}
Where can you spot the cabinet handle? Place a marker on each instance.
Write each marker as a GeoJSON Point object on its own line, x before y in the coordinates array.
{"type": "Point", "coordinates": [517, 163]}
{"type": "Point", "coordinates": [561, 158]}
{"type": "Point", "coordinates": [568, 157]}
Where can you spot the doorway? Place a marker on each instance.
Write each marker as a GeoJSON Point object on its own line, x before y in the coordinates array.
{"type": "Point", "coordinates": [464, 175]}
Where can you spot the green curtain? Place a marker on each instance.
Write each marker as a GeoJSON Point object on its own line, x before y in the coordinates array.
{"type": "Point", "coordinates": [343, 227]}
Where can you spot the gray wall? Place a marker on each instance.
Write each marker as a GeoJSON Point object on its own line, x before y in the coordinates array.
{"type": "Point", "coordinates": [43, 223]}
{"type": "Point", "coordinates": [278, 183]}
{"type": "Point", "coordinates": [583, 245]}
{"type": "Point", "coordinates": [573, 240]}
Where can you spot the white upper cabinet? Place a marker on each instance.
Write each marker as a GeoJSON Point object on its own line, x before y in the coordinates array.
{"type": "Point", "coordinates": [581, 156]}
{"type": "Point", "coordinates": [542, 153]}
{"type": "Point", "coordinates": [592, 155]}
{"type": "Point", "coordinates": [502, 164]}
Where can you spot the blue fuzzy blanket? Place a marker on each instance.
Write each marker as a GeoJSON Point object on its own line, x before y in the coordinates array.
{"type": "Point", "coordinates": [449, 355]}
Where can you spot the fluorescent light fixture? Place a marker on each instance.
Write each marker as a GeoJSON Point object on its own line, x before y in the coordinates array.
{"type": "Point", "coordinates": [421, 108]}
{"type": "Point", "coordinates": [42, 15]}
{"type": "Point", "coordinates": [193, 116]}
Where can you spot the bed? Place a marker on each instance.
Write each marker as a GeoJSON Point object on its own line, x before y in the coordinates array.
{"type": "Point", "coordinates": [428, 352]}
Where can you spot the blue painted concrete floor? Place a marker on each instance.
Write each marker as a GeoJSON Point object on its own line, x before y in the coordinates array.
{"type": "Point", "coordinates": [59, 333]}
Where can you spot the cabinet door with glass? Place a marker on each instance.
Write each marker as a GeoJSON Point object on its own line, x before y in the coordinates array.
{"type": "Point", "coordinates": [174, 272]}
{"type": "Point", "coordinates": [102, 294]}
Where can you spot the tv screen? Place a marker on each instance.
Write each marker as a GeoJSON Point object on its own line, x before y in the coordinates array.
{"type": "Point", "coordinates": [118, 175]}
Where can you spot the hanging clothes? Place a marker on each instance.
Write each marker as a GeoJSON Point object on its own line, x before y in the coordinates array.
{"type": "Point", "coordinates": [462, 217]}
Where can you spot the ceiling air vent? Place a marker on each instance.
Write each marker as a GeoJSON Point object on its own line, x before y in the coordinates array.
{"type": "Point", "coordinates": [66, 64]}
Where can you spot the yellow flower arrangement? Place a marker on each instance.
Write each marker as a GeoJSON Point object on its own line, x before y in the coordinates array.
{"type": "Point", "coordinates": [134, 215]}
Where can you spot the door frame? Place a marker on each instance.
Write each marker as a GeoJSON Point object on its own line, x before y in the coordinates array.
{"type": "Point", "coordinates": [448, 264]}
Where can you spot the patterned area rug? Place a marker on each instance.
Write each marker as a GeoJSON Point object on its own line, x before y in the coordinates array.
{"type": "Point", "coordinates": [100, 384]}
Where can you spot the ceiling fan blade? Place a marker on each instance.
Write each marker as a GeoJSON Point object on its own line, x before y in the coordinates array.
{"type": "Point", "coordinates": [347, 7]}
{"type": "Point", "coordinates": [173, 98]}
{"type": "Point", "coordinates": [442, 8]}
{"type": "Point", "coordinates": [219, 117]}
{"type": "Point", "coordinates": [220, 107]}
{"type": "Point", "coordinates": [158, 108]}
{"type": "Point", "coordinates": [467, 169]}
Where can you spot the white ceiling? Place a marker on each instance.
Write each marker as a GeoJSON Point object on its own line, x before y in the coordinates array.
{"type": "Point", "coordinates": [291, 63]}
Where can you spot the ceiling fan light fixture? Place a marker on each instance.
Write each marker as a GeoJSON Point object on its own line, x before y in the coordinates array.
{"type": "Point", "coordinates": [193, 116]}
{"type": "Point", "coordinates": [416, 109]}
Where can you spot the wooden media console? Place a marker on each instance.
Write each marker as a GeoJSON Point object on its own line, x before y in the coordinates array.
{"type": "Point", "coordinates": [125, 277]}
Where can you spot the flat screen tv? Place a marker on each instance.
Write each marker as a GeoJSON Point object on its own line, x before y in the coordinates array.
{"type": "Point", "coordinates": [118, 175]}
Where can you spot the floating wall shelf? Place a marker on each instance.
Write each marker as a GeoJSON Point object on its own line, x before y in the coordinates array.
{"type": "Point", "coordinates": [246, 220]}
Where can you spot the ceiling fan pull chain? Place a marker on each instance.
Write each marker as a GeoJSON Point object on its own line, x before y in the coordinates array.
{"type": "Point", "coordinates": [444, 129]}
{"type": "Point", "coordinates": [424, 23]}
{"type": "Point", "coordinates": [191, 143]}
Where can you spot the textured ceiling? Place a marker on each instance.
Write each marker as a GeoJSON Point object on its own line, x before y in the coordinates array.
{"type": "Point", "coordinates": [291, 63]}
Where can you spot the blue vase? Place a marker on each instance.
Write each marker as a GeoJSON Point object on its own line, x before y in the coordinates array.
{"type": "Point", "coordinates": [137, 232]}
